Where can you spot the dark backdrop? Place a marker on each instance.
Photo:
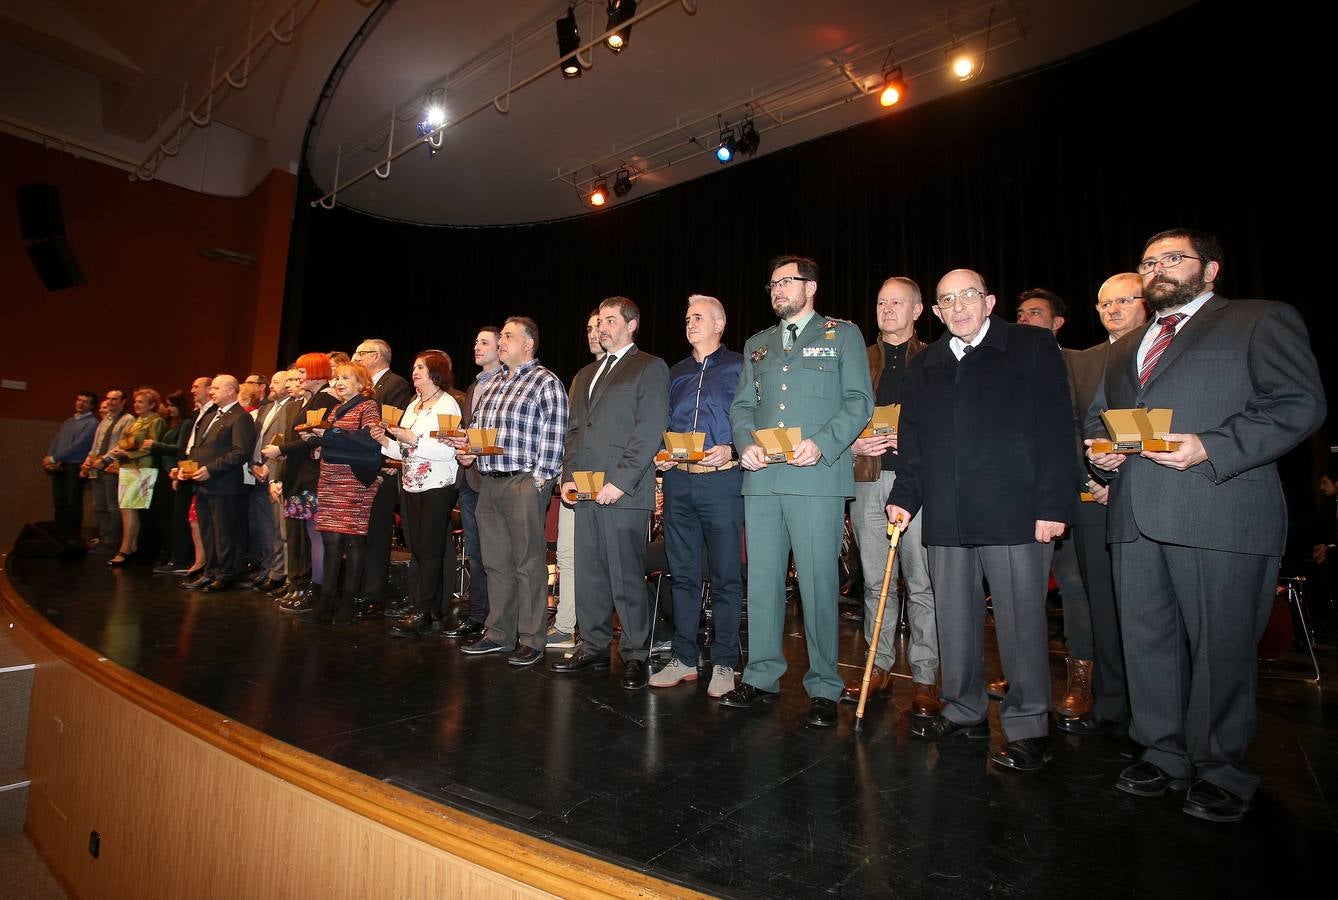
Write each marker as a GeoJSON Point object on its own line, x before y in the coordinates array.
{"type": "Point", "coordinates": [1210, 119]}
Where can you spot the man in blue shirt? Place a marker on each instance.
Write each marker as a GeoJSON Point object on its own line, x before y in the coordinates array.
{"type": "Point", "coordinates": [63, 458]}
{"type": "Point", "coordinates": [703, 502]}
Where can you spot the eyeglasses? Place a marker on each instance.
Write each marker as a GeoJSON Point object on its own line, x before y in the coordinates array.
{"type": "Point", "coordinates": [969, 297]}
{"type": "Point", "coordinates": [783, 282]}
{"type": "Point", "coordinates": [1166, 261]}
{"type": "Point", "coordinates": [1119, 301]}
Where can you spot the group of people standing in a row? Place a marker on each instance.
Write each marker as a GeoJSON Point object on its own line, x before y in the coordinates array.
{"type": "Point", "coordinates": [988, 470]}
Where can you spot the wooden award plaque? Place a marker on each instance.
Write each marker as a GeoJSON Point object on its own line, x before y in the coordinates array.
{"type": "Point", "coordinates": [778, 443]}
{"type": "Point", "coordinates": [447, 426]}
{"type": "Point", "coordinates": [391, 415]}
{"type": "Point", "coordinates": [1136, 430]}
{"type": "Point", "coordinates": [884, 421]}
{"type": "Point", "coordinates": [684, 446]}
{"type": "Point", "coordinates": [483, 442]}
{"type": "Point", "coordinates": [587, 486]}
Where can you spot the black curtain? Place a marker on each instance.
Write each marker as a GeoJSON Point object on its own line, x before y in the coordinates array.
{"type": "Point", "coordinates": [1210, 119]}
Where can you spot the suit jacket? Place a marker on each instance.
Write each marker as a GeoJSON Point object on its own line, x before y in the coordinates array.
{"type": "Point", "coordinates": [620, 428]}
{"type": "Point", "coordinates": [821, 387]}
{"type": "Point", "coordinates": [223, 449]}
{"type": "Point", "coordinates": [986, 445]}
{"type": "Point", "coordinates": [868, 468]}
{"type": "Point", "coordinates": [281, 423]}
{"type": "Point", "coordinates": [300, 471]}
{"type": "Point", "coordinates": [392, 390]}
{"type": "Point", "coordinates": [1239, 374]}
{"type": "Point", "coordinates": [1085, 368]}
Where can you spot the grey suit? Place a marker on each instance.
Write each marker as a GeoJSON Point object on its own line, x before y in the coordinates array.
{"type": "Point", "coordinates": [1196, 552]}
{"type": "Point", "coordinates": [616, 430]}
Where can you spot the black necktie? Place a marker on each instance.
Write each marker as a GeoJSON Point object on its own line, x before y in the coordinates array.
{"type": "Point", "coordinates": [793, 329]}
{"type": "Point", "coordinates": [604, 370]}
{"type": "Point", "coordinates": [967, 348]}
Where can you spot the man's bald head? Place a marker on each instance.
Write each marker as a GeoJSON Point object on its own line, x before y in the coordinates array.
{"type": "Point", "coordinates": [223, 389]}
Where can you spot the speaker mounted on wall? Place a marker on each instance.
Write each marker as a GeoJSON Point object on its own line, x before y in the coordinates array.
{"type": "Point", "coordinates": [42, 224]}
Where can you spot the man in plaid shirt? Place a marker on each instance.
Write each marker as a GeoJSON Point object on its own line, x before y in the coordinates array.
{"type": "Point", "coordinates": [527, 405]}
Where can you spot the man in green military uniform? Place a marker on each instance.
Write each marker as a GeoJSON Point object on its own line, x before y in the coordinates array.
{"type": "Point", "coordinates": [807, 372]}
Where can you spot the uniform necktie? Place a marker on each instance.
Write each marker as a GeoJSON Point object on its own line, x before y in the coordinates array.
{"type": "Point", "coordinates": [1164, 338]}
{"type": "Point", "coordinates": [791, 335]}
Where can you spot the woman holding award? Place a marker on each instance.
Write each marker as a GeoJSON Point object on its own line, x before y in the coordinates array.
{"type": "Point", "coordinates": [138, 470]}
{"type": "Point", "coordinates": [348, 481]}
{"type": "Point", "coordinates": [428, 481]}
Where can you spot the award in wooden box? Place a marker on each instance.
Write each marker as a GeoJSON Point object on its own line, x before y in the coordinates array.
{"type": "Point", "coordinates": [1136, 430]}
{"type": "Point", "coordinates": [687, 446]}
{"type": "Point", "coordinates": [884, 421]}
{"type": "Point", "coordinates": [483, 442]}
{"type": "Point", "coordinates": [187, 468]}
{"type": "Point", "coordinates": [315, 419]}
{"type": "Point", "coordinates": [391, 415]}
{"type": "Point", "coordinates": [587, 486]}
{"type": "Point", "coordinates": [447, 426]}
{"type": "Point", "coordinates": [778, 443]}
{"type": "Point", "coordinates": [1086, 497]}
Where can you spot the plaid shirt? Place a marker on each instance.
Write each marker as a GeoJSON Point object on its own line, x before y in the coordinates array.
{"type": "Point", "coordinates": [528, 407]}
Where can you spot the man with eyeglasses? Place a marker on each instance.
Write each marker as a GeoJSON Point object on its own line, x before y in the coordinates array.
{"type": "Point", "coordinates": [809, 372]}
{"type": "Point", "coordinates": [986, 448]}
{"type": "Point", "coordinates": [1196, 533]}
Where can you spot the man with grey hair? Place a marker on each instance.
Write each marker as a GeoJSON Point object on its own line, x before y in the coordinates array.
{"type": "Point", "coordinates": [703, 502]}
{"type": "Point", "coordinates": [225, 438]}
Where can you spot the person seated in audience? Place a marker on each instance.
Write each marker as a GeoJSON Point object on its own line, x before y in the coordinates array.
{"type": "Point", "coordinates": [138, 473]}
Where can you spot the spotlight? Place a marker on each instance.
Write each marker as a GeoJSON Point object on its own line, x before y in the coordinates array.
{"type": "Point", "coordinates": [569, 38]}
{"type": "Point", "coordinates": [622, 183]}
{"type": "Point", "coordinates": [725, 152]}
{"type": "Point", "coordinates": [894, 88]}
{"type": "Point", "coordinates": [619, 12]}
{"type": "Point", "coordinates": [599, 194]}
{"type": "Point", "coordinates": [749, 140]}
{"type": "Point", "coordinates": [962, 63]}
{"type": "Point", "coordinates": [436, 116]}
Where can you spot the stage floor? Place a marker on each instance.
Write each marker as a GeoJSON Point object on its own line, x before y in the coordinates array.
{"type": "Point", "coordinates": [736, 803]}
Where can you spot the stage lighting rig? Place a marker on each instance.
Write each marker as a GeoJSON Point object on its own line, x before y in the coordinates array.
{"type": "Point", "coordinates": [569, 38]}
{"type": "Point", "coordinates": [619, 12]}
{"type": "Point", "coordinates": [728, 144]}
{"type": "Point", "coordinates": [622, 183]}
{"type": "Point", "coordinates": [962, 63]}
{"type": "Point", "coordinates": [894, 88]}
{"type": "Point", "coordinates": [599, 194]}
{"type": "Point", "coordinates": [749, 140]}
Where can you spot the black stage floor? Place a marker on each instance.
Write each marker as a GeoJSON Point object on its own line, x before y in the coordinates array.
{"type": "Point", "coordinates": [731, 802]}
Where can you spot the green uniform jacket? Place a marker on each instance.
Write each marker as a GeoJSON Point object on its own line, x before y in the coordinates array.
{"type": "Point", "coordinates": [821, 387]}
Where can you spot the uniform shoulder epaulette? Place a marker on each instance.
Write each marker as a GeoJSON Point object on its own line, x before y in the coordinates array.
{"type": "Point", "coordinates": [764, 331]}
{"type": "Point", "coordinates": [831, 321]}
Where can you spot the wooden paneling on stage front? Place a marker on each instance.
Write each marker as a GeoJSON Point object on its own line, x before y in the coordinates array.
{"type": "Point", "coordinates": [190, 804]}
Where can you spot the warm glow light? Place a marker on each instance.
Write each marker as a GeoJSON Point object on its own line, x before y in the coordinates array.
{"type": "Point", "coordinates": [963, 65]}
{"type": "Point", "coordinates": [615, 41]}
{"type": "Point", "coordinates": [599, 195]}
{"type": "Point", "coordinates": [890, 96]}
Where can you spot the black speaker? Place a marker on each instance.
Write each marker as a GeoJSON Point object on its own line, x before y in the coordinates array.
{"type": "Point", "coordinates": [40, 540]}
{"type": "Point", "coordinates": [39, 211]}
{"type": "Point", "coordinates": [55, 263]}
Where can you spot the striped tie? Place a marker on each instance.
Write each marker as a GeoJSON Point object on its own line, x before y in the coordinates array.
{"type": "Point", "coordinates": [1164, 338]}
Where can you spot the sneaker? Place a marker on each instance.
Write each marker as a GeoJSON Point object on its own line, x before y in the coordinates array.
{"type": "Point", "coordinates": [479, 648]}
{"type": "Point", "coordinates": [560, 640]}
{"type": "Point", "coordinates": [672, 674]}
{"type": "Point", "coordinates": [722, 682]}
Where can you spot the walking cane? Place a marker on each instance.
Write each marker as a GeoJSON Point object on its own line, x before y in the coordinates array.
{"type": "Point", "coordinates": [893, 536]}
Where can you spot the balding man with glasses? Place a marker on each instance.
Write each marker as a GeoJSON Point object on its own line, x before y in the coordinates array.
{"type": "Point", "coordinates": [986, 449]}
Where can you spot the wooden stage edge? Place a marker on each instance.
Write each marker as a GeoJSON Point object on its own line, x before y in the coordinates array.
{"type": "Point", "coordinates": [195, 804]}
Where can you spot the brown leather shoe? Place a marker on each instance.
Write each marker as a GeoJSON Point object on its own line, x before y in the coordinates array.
{"type": "Point", "coordinates": [880, 681]}
{"type": "Point", "coordinates": [1078, 700]}
{"type": "Point", "coordinates": [926, 704]}
{"type": "Point", "coordinates": [996, 688]}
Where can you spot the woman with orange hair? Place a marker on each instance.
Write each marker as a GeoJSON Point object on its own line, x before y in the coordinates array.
{"type": "Point", "coordinates": [138, 470]}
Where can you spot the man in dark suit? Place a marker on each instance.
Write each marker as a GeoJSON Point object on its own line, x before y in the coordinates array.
{"type": "Point", "coordinates": [1196, 533]}
{"type": "Point", "coordinates": [225, 436]}
{"type": "Point", "coordinates": [390, 390]}
{"type": "Point", "coordinates": [264, 509]}
{"type": "Point", "coordinates": [986, 446]}
{"type": "Point", "coordinates": [619, 409]}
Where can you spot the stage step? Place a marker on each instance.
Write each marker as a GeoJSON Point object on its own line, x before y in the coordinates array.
{"type": "Point", "coordinates": [16, 688]}
{"type": "Point", "coordinates": [13, 801]}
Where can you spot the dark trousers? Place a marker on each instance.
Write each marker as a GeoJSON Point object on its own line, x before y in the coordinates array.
{"type": "Point", "coordinates": [478, 574]}
{"type": "Point", "coordinates": [1192, 619]}
{"type": "Point", "coordinates": [67, 501]}
{"type": "Point", "coordinates": [511, 516]}
{"type": "Point", "coordinates": [380, 529]}
{"type": "Point", "coordinates": [427, 528]}
{"type": "Point", "coordinates": [298, 544]}
{"type": "Point", "coordinates": [611, 547]}
{"type": "Point", "coordinates": [266, 540]}
{"type": "Point", "coordinates": [1108, 680]}
{"type": "Point", "coordinates": [344, 554]}
{"type": "Point", "coordinates": [705, 510]}
{"type": "Point", "coordinates": [107, 508]}
{"type": "Point", "coordinates": [183, 545]}
{"type": "Point", "coordinates": [158, 521]}
{"type": "Point", "coordinates": [223, 530]}
{"type": "Point", "coordinates": [1077, 606]}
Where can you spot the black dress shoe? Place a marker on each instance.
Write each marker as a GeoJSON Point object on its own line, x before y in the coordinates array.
{"type": "Point", "coordinates": [854, 614]}
{"type": "Point", "coordinates": [745, 696]}
{"type": "Point", "coordinates": [415, 624]}
{"type": "Point", "coordinates": [1145, 779]}
{"type": "Point", "coordinates": [941, 727]}
{"type": "Point", "coordinates": [484, 647]}
{"type": "Point", "coordinates": [1211, 803]}
{"type": "Point", "coordinates": [583, 658]}
{"type": "Point", "coordinates": [398, 609]}
{"type": "Point", "coordinates": [199, 581]}
{"type": "Point", "coordinates": [466, 629]}
{"type": "Point", "coordinates": [1088, 724]}
{"type": "Point", "coordinates": [1025, 755]}
{"type": "Point", "coordinates": [822, 712]}
{"type": "Point", "coordinates": [299, 604]}
{"type": "Point", "coordinates": [634, 674]}
{"type": "Point", "coordinates": [366, 607]}
{"type": "Point", "coordinates": [524, 656]}
{"type": "Point", "coordinates": [218, 585]}
{"type": "Point", "coordinates": [269, 585]}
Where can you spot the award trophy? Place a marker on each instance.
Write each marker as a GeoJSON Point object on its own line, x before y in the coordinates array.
{"type": "Point", "coordinates": [588, 485]}
{"type": "Point", "coordinates": [1136, 430]}
{"type": "Point", "coordinates": [778, 443]}
{"type": "Point", "coordinates": [884, 421]}
{"type": "Point", "coordinates": [684, 446]}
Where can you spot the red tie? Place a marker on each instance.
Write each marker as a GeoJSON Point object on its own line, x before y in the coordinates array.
{"type": "Point", "coordinates": [1164, 338]}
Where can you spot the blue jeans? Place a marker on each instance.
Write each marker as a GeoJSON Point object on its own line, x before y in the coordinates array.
{"type": "Point", "coordinates": [705, 512]}
{"type": "Point", "coordinates": [478, 577]}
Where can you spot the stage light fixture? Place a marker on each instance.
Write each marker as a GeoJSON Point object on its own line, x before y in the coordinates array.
{"type": "Point", "coordinates": [622, 183]}
{"type": "Point", "coordinates": [894, 88]}
{"type": "Point", "coordinates": [962, 63]}
{"type": "Point", "coordinates": [619, 12]}
{"type": "Point", "coordinates": [725, 151]}
{"type": "Point", "coordinates": [569, 38]}
{"type": "Point", "coordinates": [436, 116]}
{"type": "Point", "coordinates": [599, 194]}
{"type": "Point", "coordinates": [749, 140]}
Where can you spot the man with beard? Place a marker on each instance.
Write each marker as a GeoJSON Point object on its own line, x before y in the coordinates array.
{"type": "Point", "coordinates": [1196, 533]}
{"type": "Point", "coordinates": [808, 372]}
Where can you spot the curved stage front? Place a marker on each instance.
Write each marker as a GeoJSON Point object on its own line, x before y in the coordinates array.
{"type": "Point", "coordinates": [220, 749]}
